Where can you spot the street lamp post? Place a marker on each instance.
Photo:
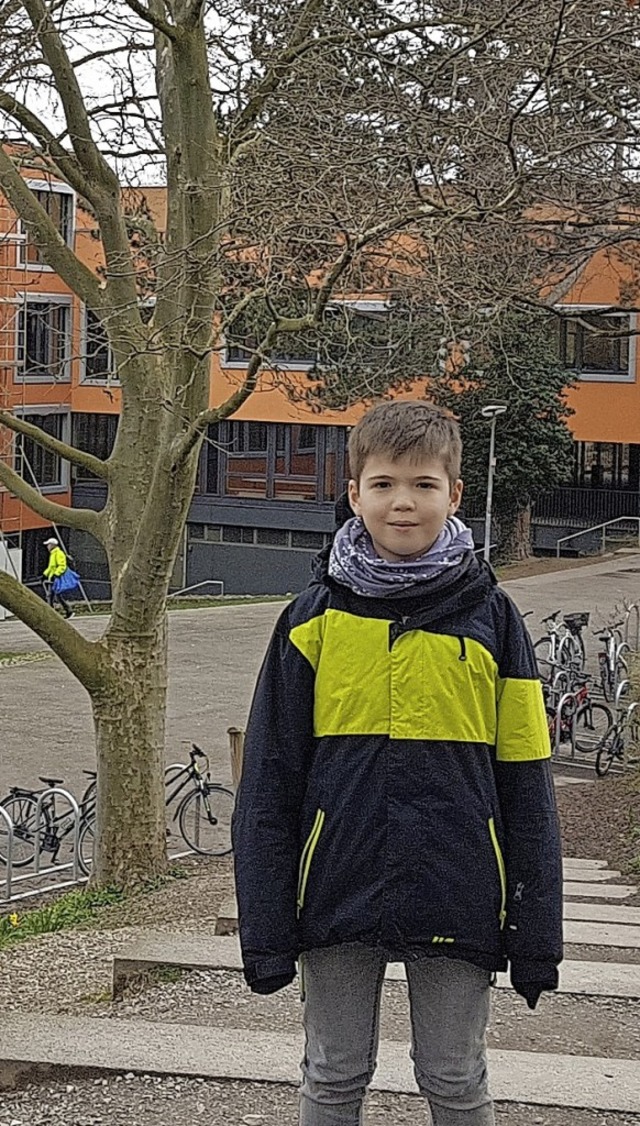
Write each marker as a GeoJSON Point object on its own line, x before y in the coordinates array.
{"type": "Point", "coordinates": [490, 411]}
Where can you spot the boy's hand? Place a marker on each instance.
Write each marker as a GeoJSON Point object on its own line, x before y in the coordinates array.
{"type": "Point", "coordinates": [530, 979]}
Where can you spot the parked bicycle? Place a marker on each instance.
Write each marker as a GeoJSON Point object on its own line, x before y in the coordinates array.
{"type": "Point", "coordinates": [611, 659]}
{"type": "Point", "coordinates": [562, 644]}
{"type": "Point", "coordinates": [203, 814]}
{"type": "Point", "coordinates": [622, 738]}
{"type": "Point", "coordinates": [575, 717]}
{"type": "Point", "coordinates": [55, 826]}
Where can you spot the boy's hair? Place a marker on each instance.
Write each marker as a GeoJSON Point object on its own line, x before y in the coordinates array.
{"type": "Point", "coordinates": [399, 428]}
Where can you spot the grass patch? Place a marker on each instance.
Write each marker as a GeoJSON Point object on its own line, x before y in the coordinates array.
{"type": "Point", "coordinates": [8, 658]}
{"type": "Point", "coordinates": [70, 910]}
{"type": "Point", "coordinates": [80, 609]}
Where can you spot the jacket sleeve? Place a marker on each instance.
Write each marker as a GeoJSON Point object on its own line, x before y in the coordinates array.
{"type": "Point", "coordinates": [57, 564]}
{"type": "Point", "coordinates": [278, 742]}
{"type": "Point", "coordinates": [532, 846]}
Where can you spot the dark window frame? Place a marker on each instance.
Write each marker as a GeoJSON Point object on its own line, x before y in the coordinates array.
{"type": "Point", "coordinates": [574, 340]}
{"type": "Point", "coordinates": [50, 470]}
{"type": "Point", "coordinates": [33, 333]}
{"type": "Point", "coordinates": [47, 194]}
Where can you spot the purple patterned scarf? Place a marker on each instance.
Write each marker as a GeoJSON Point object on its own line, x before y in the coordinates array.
{"type": "Point", "coordinates": [355, 563]}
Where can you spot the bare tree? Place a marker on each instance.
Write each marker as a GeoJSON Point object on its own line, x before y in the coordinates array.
{"type": "Point", "coordinates": [438, 154]}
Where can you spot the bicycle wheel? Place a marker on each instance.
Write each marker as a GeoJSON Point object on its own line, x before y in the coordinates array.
{"type": "Point", "coordinates": [22, 811]}
{"type": "Point", "coordinates": [205, 820]}
{"type": "Point", "coordinates": [593, 723]}
{"type": "Point", "coordinates": [86, 845]}
{"type": "Point", "coordinates": [543, 650]}
{"type": "Point", "coordinates": [611, 751]}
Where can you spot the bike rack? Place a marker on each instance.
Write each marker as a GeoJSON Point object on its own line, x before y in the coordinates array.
{"type": "Point", "coordinates": [55, 791]}
{"type": "Point", "coordinates": [558, 723]}
{"type": "Point", "coordinates": [622, 687]}
{"type": "Point", "coordinates": [9, 861]}
{"type": "Point", "coordinates": [635, 610]}
{"type": "Point", "coordinates": [37, 873]}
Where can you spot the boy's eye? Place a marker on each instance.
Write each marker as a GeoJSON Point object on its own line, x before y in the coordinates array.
{"type": "Point", "coordinates": [381, 484]}
{"type": "Point", "coordinates": [426, 485]}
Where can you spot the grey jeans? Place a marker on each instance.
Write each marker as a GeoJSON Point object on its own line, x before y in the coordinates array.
{"type": "Point", "coordinates": [449, 1001]}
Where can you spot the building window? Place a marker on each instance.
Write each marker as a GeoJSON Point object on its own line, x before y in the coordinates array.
{"type": "Point", "coordinates": [233, 534]}
{"type": "Point", "coordinates": [272, 537]}
{"type": "Point", "coordinates": [310, 541]}
{"type": "Point", "coordinates": [98, 361]}
{"type": "Point", "coordinates": [607, 465]}
{"type": "Point", "coordinates": [58, 202]}
{"type": "Point", "coordinates": [95, 434]}
{"type": "Point", "coordinates": [44, 339]}
{"type": "Point", "coordinates": [247, 460]}
{"type": "Point", "coordinates": [595, 356]}
{"type": "Point", "coordinates": [291, 350]}
{"type": "Point", "coordinates": [36, 465]}
{"type": "Point", "coordinates": [296, 464]}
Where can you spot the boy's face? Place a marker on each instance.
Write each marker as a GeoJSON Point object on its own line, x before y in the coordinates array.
{"type": "Point", "coordinates": [404, 504]}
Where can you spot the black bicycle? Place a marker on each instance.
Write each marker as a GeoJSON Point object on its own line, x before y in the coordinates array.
{"type": "Point", "coordinates": [203, 813]}
{"type": "Point", "coordinates": [55, 826]}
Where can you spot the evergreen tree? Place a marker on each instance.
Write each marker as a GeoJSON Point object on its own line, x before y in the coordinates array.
{"type": "Point", "coordinates": [517, 363]}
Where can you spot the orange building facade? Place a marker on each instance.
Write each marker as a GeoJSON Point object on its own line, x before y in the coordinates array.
{"type": "Point", "coordinates": [269, 478]}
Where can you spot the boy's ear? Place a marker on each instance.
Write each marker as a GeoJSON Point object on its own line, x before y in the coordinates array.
{"type": "Point", "coordinates": [456, 496]}
{"type": "Point", "coordinates": [354, 496]}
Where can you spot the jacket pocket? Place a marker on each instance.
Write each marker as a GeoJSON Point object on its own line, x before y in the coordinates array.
{"type": "Point", "coordinates": [307, 857]}
{"type": "Point", "coordinates": [502, 872]}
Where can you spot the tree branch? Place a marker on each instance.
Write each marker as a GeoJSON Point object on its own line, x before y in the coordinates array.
{"type": "Point", "coordinates": [79, 655]}
{"type": "Point", "coordinates": [84, 519]}
{"type": "Point", "coordinates": [155, 21]}
{"type": "Point", "coordinates": [68, 89]}
{"type": "Point", "coordinates": [64, 162]}
{"type": "Point", "coordinates": [69, 453]}
{"type": "Point", "coordinates": [46, 235]}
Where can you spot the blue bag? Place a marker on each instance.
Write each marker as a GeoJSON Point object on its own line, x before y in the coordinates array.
{"type": "Point", "coordinates": [70, 580]}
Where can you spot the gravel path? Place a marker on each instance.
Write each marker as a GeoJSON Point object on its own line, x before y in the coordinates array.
{"type": "Point", "coordinates": [151, 1101]}
{"type": "Point", "coordinates": [566, 1025]}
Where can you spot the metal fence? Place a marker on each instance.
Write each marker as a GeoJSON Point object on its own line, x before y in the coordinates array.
{"type": "Point", "coordinates": [40, 879]}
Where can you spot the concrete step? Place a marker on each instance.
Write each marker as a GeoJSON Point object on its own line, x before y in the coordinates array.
{"type": "Point", "coordinates": [579, 862]}
{"type": "Point", "coordinates": [589, 875]}
{"type": "Point", "coordinates": [601, 934]}
{"type": "Point", "coordinates": [575, 890]}
{"type": "Point", "coordinates": [33, 1044]}
{"type": "Point", "coordinates": [208, 952]}
{"type": "Point", "coordinates": [602, 913]}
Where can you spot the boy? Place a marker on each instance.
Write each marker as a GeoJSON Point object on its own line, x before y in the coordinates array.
{"type": "Point", "coordinates": [397, 801]}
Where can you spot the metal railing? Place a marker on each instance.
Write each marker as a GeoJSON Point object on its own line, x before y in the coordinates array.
{"type": "Point", "coordinates": [600, 528]}
{"type": "Point", "coordinates": [36, 874]}
{"type": "Point", "coordinates": [584, 503]}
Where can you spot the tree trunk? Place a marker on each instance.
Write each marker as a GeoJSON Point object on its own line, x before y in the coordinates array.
{"type": "Point", "coordinates": [515, 535]}
{"type": "Point", "coordinates": [130, 728]}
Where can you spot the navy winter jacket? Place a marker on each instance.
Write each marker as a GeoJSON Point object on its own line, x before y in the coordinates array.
{"type": "Point", "coordinates": [396, 788]}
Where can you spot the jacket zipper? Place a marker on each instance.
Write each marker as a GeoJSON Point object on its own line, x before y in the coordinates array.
{"type": "Point", "coordinates": [517, 898]}
{"type": "Point", "coordinates": [501, 870]}
{"type": "Point", "coordinates": [307, 857]}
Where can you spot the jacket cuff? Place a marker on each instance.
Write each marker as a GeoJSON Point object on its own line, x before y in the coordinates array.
{"type": "Point", "coordinates": [278, 966]}
{"type": "Point", "coordinates": [544, 973]}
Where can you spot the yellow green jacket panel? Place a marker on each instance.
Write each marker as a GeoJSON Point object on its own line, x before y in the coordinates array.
{"type": "Point", "coordinates": [57, 564]}
{"type": "Point", "coordinates": [396, 786]}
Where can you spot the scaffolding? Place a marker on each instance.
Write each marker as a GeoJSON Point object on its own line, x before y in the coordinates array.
{"type": "Point", "coordinates": [13, 289]}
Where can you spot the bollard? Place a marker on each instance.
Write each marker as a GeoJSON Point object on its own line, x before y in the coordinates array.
{"type": "Point", "coordinates": [236, 751]}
